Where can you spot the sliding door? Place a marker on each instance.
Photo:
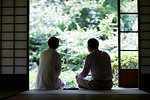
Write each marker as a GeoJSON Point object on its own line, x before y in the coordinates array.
{"type": "Point", "coordinates": [14, 31]}
{"type": "Point", "coordinates": [128, 43]}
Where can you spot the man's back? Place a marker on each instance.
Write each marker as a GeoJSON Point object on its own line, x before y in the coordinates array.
{"type": "Point", "coordinates": [100, 65]}
{"type": "Point", "coordinates": [98, 62]}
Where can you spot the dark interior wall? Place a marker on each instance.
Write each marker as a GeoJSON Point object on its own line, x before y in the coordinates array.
{"type": "Point", "coordinates": [144, 44]}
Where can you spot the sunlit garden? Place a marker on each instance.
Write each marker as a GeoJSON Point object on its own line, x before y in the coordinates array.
{"type": "Point", "coordinates": [73, 22]}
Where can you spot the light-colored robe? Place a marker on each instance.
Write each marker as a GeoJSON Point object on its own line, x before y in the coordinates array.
{"type": "Point", "coordinates": [49, 71]}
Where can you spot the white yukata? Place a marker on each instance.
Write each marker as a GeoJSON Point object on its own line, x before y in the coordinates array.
{"type": "Point", "coordinates": [49, 71]}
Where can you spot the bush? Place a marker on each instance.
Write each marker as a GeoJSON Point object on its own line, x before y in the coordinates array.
{"type": "Point", "coordinates": [32, 77]}
{"type": "Point", "coordinates": [73, 22]}
{"type": "Point", "coordinates": [129, 60]}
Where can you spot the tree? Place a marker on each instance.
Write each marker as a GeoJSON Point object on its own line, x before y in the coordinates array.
{"type": "Point", "coordinates": [74, 22]}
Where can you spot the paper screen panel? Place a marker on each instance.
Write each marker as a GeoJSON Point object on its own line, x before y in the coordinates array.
{"type": "Point", "coordinates": [7, 44]}
{"type": "Point", "coordinates": [7, 70]}
{"type": "Point", "coordinates": [7, 53]}
{"type": "Point", "coordinates": [20, 44]}
{"type": "Point", "coordinates": [21, 3]}
{"type": "Point", "coordinates": [14, 23]}
{"type": "Point", "coordinates": [21, 11]}
{"type": "Point", "coordinates": [7, 11]}
{"type": "Point", "coordinates": [21, 61]}
{"type": "Point", "coordinates": [7, 3]}
{"type": "Point", "coordinates": [8, 19]}
{"type": "Point", "coordinates": [21, 36]}
{"type": "Point", "coordinates": [21, 19]}
{"type": "Point", "coordinates": [20, 70]}
{"type": "Point", "coordinates": [20, 53]}
{"type": "Point", "coordinates": [7, 36]}
{"type": "Point", "coordinates": [7, 61]}
{"type": "Point", "coordinates": [21, 27]}
{"type": "Point", "coordinates": [6, 28]}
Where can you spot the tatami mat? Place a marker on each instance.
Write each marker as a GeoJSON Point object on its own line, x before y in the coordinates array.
{"type": "Point", "coordinates": [83, 91]}
{"type": "Point", "coordinates": [8, 93]}
{"type": "Point", "coordinates": [82, 94]}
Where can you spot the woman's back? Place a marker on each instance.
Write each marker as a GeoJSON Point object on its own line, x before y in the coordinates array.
{"type": "Point", "coordinates": [49, 70]}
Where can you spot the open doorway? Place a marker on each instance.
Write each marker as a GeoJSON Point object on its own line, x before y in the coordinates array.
{"type": "Point", "coordinates": [74, 22]}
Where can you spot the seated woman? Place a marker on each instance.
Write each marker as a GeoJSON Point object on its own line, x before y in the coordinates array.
{"type": "Point", "coordinates": [49, 68]}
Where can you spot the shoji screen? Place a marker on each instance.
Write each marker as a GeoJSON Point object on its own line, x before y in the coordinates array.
{"type": "Point", "coordinates": [14, 23]}
{"type": "Point", "coordinates": [144, 21]}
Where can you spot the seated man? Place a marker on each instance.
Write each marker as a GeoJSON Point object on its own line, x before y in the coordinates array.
{"type": "Point", "coordinates": [50, 67]}
{"type": "Point", "coordinates": [98, 62]}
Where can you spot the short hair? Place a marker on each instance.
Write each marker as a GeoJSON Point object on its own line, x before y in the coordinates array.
{"type": "Point", "coordinates": [53, 42]}
{"type": "Point", "coordinates": [93, 43]}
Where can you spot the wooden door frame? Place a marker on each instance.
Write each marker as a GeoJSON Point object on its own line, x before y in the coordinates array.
{"type": "Point", "coordinates": [124, 79]}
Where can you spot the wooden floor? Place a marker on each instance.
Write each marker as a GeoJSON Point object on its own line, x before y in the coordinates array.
{"type": "Point", "coordinates": [114, 94]}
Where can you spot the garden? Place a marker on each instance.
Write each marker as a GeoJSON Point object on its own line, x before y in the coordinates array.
{"type": "Point", "coordinates": [73, 22]}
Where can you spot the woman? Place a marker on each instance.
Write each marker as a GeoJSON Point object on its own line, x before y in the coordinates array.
{"type": "Point", "coordinates": [50, 67]}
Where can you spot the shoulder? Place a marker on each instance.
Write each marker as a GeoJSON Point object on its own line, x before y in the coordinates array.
{"type": "Point", "coordinates": [105, 54]}
{"type": "Point", "coordinates": [89, 56]}
{"type": "Point", "coordinates": [44, 52]}
{"type": "Point", "coordinates": [49, 51]}
{"type": "Point", "coordinates": [99, 52]}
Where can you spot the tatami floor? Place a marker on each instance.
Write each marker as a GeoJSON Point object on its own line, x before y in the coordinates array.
{"type": "Point", "coordinates": [82, 94]}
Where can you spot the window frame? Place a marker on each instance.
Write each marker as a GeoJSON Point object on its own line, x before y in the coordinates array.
{"type": "Point", "coordinates": [127, 77]}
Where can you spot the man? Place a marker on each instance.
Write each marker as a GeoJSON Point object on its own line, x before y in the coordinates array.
{"type": "Point", "coordinates": [50, 67]}
{"type": "Point", "coordinates": [98, 63]}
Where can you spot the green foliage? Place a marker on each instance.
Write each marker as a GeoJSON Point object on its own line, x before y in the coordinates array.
{"type": "Point", "coordinates": [114, 65]}
{"type": "Point", "coordinates": [129, 22]}
{"type": "Point", "coordinates": [74, 22]}
{"type": "Point", "coordinates": [125, 5]}
{"type": "Point", "coordinates": [46, 20]}
{"type": "Point", "coordinates": [129, 60]}
{"type": "Point", "coordinates": [129, 41]}
{"type": "Point", "coordinates": [71, 79]}
{"type": "Point", "coordinates": [32, 77]}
